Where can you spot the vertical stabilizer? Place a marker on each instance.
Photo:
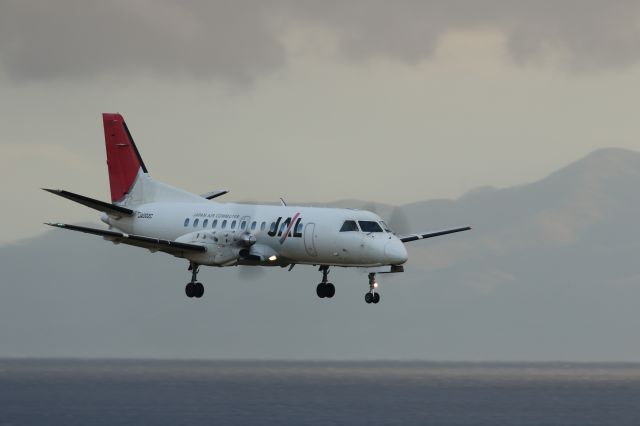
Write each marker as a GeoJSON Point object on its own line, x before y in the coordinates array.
{"type": "Point", "coordinates": [128, 177]}
{"type": "Point", "coordinates": [123, 159]}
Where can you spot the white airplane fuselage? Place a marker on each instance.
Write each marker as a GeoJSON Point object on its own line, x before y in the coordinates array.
{"type": "Point", "coordinates": [293, 234]}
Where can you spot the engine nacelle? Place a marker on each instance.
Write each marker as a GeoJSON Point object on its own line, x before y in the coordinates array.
{"type": "Point", "coordinates": [223, 248]}
{"type": "Point", "coordinates": [261, 253]}
{"type": "Point", "coordinates": [247, 240]}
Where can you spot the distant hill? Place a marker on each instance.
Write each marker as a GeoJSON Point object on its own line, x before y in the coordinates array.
{"type": "Point", "coordinates": [549, 272]}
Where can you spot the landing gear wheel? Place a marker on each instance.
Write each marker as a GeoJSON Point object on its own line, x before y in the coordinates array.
{"type": "Point", "coordinates": [372, 296]}
{"type": "Point", "coordinates": [199, 290]}
{"type": "Point", "coordinates": [190, 290]}
{"type": "Point", "coordinates": [325, 288]}
{"type": "Point", "coordinates": [194, 288]}
{"type": "Point", "coordinates": [330, 290]}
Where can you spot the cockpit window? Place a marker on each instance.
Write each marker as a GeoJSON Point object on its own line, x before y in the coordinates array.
{"type": "Point", "coordinates": [369, 226]}
{"type": "Point", "coordinates": [348, 226]}
{"type": "Point", "coordinates": [385, 227]}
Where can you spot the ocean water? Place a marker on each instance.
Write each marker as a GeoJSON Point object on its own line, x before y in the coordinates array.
{"type": "Point", "coordinates": [134, 392]}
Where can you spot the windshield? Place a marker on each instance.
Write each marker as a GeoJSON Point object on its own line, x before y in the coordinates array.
{"type": "Point", "coordinates": [349, 225]}
{"type": "Point", "coordinates": [385, 227]}
{"type": "Point", "coordinates": [369, 226]}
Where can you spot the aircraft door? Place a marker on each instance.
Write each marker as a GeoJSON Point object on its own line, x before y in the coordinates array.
{"type": "Point", "coordinates": [309, 239]}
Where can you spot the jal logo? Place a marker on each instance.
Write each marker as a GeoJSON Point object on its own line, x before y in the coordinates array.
{"type": "Point", "coordinates": [290, 227]}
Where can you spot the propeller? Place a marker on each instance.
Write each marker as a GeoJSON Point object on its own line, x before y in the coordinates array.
{"type": "Point", "coordinates": [398, 221]}
{"type": "Point", "coordinates": [250, 273]}
{"type": "Point", "coordinates": [395, 218]}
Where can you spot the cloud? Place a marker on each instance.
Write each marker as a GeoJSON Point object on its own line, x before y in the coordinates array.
{"type": "Point", "coordinates": [593, 33]}
{"type": "Point", "coordinates": [71, 39]}
{"type": "Point", "coordinates": [237, 41]}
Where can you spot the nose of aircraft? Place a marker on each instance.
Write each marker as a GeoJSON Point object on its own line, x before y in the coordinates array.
{"type": "Point", "coordinates": [395, 252]}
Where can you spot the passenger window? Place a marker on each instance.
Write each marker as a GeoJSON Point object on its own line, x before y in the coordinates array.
{"type": "Point", "coordinates": [369, 226]}
{"type": "Point", "coordinates": [186, 222]}
{"type": "Point", "coordinates": [205, 223]}
{"type": "Point", "coordinates": [253, 226]}
{"type": "Point", "coordinates": [243, 225]}
{"type": "Point", "coordinates": [195, 222]}
{"type": "Point", "coordinates": [214, 223]}
{"type": "Point", "coordinates": [298, 229]}
{"type": "Point", "coordinates": [272, 228]}
{"type": "Point", "coordinates": [224, 224]}
{"type": "Point", "coordinates": [283, 227]}
{"type": "Point", "coordinates": [349, 226]}
{"type": "Point", "coordinates": [263, 226]}
{"type": "Point", "coordinates": [233, 225]}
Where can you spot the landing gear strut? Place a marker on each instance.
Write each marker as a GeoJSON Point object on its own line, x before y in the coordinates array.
{"type": "Point", "coordinates": [372, 296]}
{"type": "Point", "coordinates": [194, 288]}
{"type": "Point", "coordinates": [325, 288]}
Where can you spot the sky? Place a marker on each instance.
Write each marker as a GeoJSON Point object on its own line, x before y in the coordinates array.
{"type": "Point", "coordinates": [394, 102]}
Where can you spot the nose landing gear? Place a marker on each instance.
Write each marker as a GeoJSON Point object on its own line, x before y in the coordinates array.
{"type": "Point", "coordinates": [325, 288]}
{"type": "Point", "coordinates": [194, 288]}
{"type": "Point", "coordinates": [371, 296]}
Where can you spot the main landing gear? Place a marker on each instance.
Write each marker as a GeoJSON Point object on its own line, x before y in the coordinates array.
{"type": "Point", "coordinates": [325, 289]}
{"type": "Point", "coordinates": [371, 296]}
{"type": "Point", "coordinates": [194, 288]}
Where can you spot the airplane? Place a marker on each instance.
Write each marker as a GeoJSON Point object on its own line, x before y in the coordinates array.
{"type": "Point", "coordinates": [147, 213]}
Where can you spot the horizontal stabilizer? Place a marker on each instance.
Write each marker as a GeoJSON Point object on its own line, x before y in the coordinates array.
{"type": "Point", "coordinates": [153, 244]}
{"type": "Point", "coordinates": [414, 237]}
{"type": "Point", "coordinates": [214, 194]}
{"type": "Point", "coordinates": [92, 203]}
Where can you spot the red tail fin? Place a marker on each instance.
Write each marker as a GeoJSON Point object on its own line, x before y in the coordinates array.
{"type": "Point", "coordinates": [123, 159]}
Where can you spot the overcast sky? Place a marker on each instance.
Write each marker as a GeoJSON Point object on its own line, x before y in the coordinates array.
{"type": "Point", "coordinates": [314, 101]}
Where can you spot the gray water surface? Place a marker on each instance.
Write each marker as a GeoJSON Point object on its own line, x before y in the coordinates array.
{"type": "Point", "coordinates": [128, 392]}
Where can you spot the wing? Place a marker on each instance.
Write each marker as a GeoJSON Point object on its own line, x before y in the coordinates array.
{"type": "Point", "coordinates": [153, 244]}
{"type": "Point", "coordinates": [414, 237]}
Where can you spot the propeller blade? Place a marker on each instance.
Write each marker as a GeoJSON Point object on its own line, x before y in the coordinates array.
{"type": "Point", "coordinates": [398, 221]}
{"type": "Point", "coordinates": [250, 273]}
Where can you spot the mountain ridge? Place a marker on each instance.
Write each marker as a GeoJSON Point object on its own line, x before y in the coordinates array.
{"type": "Point", "coordinates": [549, 272]}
